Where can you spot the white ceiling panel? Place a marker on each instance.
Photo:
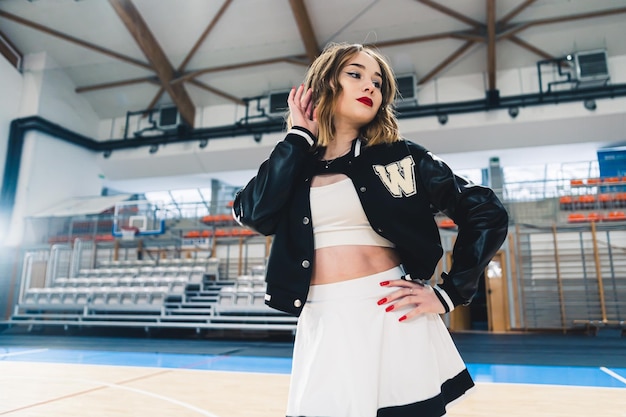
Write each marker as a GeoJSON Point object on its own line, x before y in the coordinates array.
{"type": "Point", "coordinates": [251, 31]}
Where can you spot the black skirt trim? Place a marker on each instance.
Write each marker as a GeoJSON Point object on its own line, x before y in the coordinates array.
{"type": "Point", "coordinates": [435, 406]}
{"type": "Point", "coordinates": [432, 407]}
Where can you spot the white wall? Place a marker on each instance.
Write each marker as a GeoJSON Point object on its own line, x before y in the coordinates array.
{"type": "Point", "coordinates": [55, 98]}
{"type": "Point", "coordinates": [51, 170]}
{"type": "Point", "coordinates": [11, 86]}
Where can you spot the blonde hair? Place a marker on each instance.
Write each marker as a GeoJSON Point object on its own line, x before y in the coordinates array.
{"type": "Point", "coordinates": [323, 78]}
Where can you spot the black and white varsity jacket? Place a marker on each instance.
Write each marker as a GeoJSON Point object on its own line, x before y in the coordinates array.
{"type": "Point", "coordinates": [400, 185]}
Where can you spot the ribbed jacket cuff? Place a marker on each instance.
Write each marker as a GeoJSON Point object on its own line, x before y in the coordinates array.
{"type": "Point", "coordinates": [305, 133]}
{"type": "Point", "coordinates": [444, 298]}
{"type": "Point", "coordinates": [448, 287]}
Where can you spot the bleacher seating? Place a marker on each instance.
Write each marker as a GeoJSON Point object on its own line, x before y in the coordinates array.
{"type": "Point", "coordinates": [616, 216]}
{"type": "Point", "coordinates": [165, 292]}
{"type": "Point", "coordinates": [114, 286]}
{"type": "Point", "coordinates": [221, 232]}
{"type": "Point", "coordinates": [595, 200]}
{"type": "Point", "coordinates": [246, 296]}
{"type": "Point", "coordinates": [611, 216]}
{"type": "Point", "coordinates": [576, 218]}
{"type": "Point", "coordinates": [566, 202]}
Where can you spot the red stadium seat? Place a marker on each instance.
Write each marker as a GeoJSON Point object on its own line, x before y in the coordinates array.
{"type": "Point", "coordinates": [576, 218]}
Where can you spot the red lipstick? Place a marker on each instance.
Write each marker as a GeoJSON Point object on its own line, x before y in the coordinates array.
{"type": "Point", "coordinates": [366, 100]}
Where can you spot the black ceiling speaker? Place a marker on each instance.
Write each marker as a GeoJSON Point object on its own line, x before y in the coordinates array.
{"type": "Point", "coordinates": [407, 90]}
{"type": "Point", "coordinates": [168, 118]}
{"type": "Point", "coordinates": [278, 102]}
{"type": "Point", "coordinates": [591, 66]}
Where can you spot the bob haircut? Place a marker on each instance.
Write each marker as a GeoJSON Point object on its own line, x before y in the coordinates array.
{"type": "Point", "coordinates": [323, 78]}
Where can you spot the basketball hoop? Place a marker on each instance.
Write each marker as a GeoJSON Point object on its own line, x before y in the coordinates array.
{"type": "Point", "coordinates": [129, 233]}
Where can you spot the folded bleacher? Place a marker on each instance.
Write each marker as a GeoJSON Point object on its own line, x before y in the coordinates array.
{"type": "Point", "coordinates": [134, 286]}
{"type": "Point", "coordinates": [245, 296]}
{"type": "Point", "coordinates": [167, 292]}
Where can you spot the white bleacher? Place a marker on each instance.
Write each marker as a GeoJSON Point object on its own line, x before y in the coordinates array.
{"type": "Point", "coordinates": [129, 285]}
{"type": "Point", "coordinates": [158, 293]}
{"type": "Point", "coordinates": [245, 296]}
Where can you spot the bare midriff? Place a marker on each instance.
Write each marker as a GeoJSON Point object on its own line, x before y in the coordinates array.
{"type": "Point", "coordinates": [341, 263]}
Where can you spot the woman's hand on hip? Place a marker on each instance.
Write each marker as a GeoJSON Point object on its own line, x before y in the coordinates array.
{"type": "Point", "coordinates": [421, 297]}
{"type": "Point", "coordinates": [301, 108]}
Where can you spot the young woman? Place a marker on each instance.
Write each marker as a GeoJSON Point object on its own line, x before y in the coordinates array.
{"type": "Point", "coordinates": [350, 205]}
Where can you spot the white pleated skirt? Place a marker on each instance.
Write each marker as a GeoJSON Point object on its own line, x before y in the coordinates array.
{"type": "Point", "coordinates": [353, 359]}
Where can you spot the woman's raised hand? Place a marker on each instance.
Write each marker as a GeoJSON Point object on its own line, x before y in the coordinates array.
{"type": "Point", "coordinates": [301, 108]}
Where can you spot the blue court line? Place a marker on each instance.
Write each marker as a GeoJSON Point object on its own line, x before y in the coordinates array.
{"type": "Point", "coordinates": [549, 375]}
{"type": "Point", "coordinates": [495, 373]}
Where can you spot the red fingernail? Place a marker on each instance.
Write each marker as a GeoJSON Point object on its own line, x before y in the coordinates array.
{"type": "Point", "coordinates": [382, 284]}
{"type": "Point", "coordinates": [383, 301]}
{"type": "Point", "coordinates": [402, 318]}
{"type": "Point", "coordinates": [388, 309]}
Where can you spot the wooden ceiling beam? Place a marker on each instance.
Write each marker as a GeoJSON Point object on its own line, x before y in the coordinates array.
{"type": "Point", "coordinates": [196, 73]}
{"type": "Point", "coordinates": [72, 39]}
{"type": "Point", "coordinates": [418, 39]}
{"type": "Point", "coordinates": [204, 35]}
{"type": "Point", "coordinates": [451, 58]}
{"type": "Point", "coordinates": [509, 16]}
{"type": "Point", "coordinates": [507, 32]}
{"type": "Point", "coordinates": [193, 50]}
{"type": "Point", "coordinates": [511, 30]}
{"type": "Point", "coordinates": [296, 61]}
{"type": "Point", "coordinates": [590, 15]}
{"type": "Point", "coordinates": [469, 36]}
{"type": "Point", "coordinates": [491, 44]}
{"type": "Point", "coordinates": [531, 48]}
{"type": "Point", "coordinates": [114, 84]}
{"type": "Point", "coordinates": [10, 51]}
{"type": "Point", "coordinates": [452, 13]}
{"type": "Point", "coordinates": [307, 34]}
{"type": "Point", "coordinates": [156, 56]}
{"type": "Point", "coordinates": [154, 102]}
{"type": "Point", "coordinates": [189, 76]}
{"type": "Point", "coordinates": [217, 92]}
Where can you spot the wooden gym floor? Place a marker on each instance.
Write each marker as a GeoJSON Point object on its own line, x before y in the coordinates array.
{"type": "Point", "coordinates": [91, 374]}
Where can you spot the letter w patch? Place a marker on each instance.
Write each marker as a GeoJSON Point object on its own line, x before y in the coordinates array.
{"type": "Point", "coordinates": [398, 177]}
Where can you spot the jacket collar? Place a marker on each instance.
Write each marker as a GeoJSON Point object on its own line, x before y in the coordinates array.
{"type": "Point", "coordinates": [356, 147]}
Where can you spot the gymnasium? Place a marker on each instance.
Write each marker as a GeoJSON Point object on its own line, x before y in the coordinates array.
{"type": "Point", "coordinates": [127, 287]}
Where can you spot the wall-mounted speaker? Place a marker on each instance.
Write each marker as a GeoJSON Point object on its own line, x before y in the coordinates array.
{"type": "Point", "coordinates": [278, 102]}
{"type": "Point", "coordinates": [407, 90]}
{"type": "Point", "coordinates": [168, 118]}
{"type": "Point", "coordinates": [591, 66]}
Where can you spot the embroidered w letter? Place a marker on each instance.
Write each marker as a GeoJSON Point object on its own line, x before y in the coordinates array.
{"type": "Point", "coordinates": [398, 177]}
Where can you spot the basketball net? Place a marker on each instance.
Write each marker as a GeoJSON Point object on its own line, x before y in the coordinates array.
{"type": "Point", "coordinates": [129, 232]}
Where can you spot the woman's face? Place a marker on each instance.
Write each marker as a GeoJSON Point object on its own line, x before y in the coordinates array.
{"type": "Point", "coordinates": [361, 96]}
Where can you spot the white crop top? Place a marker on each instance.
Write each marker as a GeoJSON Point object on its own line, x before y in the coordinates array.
{"type": "Point", "coordinates": [338, 217]}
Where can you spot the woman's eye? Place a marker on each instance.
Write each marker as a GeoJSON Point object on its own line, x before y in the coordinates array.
{"type": "Point", "coordinates": [377, 84]}
{"type": "Point", "coordinates": [354, 74]}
